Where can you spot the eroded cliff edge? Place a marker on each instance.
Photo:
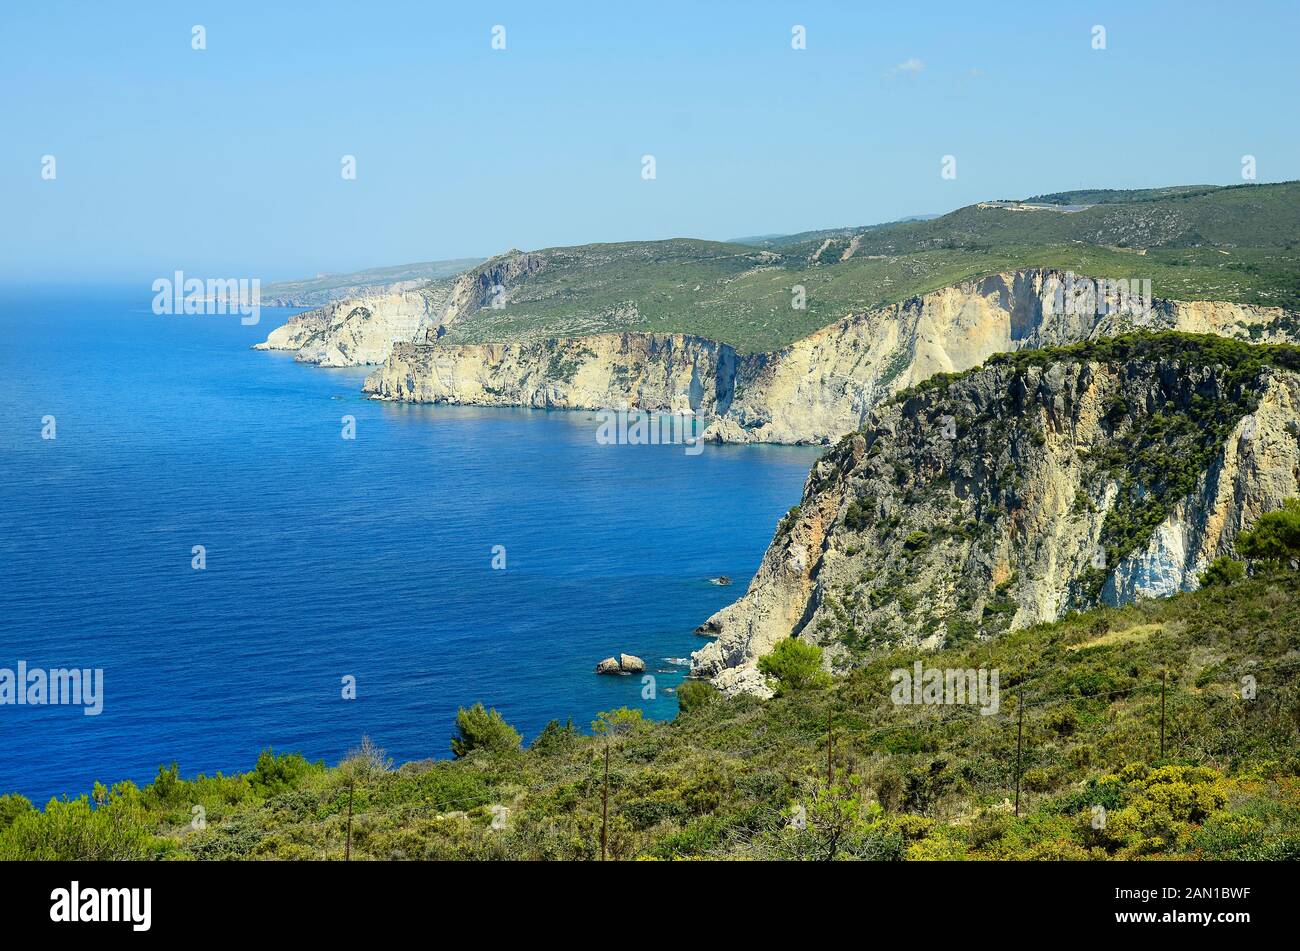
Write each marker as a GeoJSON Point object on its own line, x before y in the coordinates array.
{"type": "Point", "coordinates": [361, 331]}
{"type": "Point", "coordinates": [1042, 482]}
{"type": "Point", "coordinates": [813, 391]}
{"type": "Point", "coordinates": [357, 332]}
{"type": "Point", "coordinates": [657, 372]}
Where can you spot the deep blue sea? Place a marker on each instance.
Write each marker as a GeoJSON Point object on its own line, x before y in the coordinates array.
{"type": "Point", "coordinates": [325, 557]}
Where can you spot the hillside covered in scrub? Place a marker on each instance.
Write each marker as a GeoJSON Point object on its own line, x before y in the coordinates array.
{"type": "Point", "coordinates": [744, 778]}
{"type": "Point", "coordinates": [1236, 245]}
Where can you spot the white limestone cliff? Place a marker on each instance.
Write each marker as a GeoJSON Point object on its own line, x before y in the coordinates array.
{"type": "Point", "coordinates": [813, 391]}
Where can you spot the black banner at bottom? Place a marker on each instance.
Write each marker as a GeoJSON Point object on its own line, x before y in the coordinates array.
{"type": "Point", "coordinates": [134, 900]}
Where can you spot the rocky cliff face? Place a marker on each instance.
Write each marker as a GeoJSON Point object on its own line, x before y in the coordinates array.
{"type": "Point", "coordinates": [490, 283]}
{"type": "Point", "coordinates": [824, 385]}
{"type": "Point", "coordinates": [654, 372]}
{"type": "Point", "coordinates": [1042, 482]}
{"type": "Point", "coordinates": [361, 331]}
{"type": "Point", "coordinates": [813, 391]}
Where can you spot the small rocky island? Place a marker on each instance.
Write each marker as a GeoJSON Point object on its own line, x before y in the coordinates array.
{"type": "Point", "coordinates": [623, 664]}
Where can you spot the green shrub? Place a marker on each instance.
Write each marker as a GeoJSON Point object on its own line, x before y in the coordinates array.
{"type": "Point", "coordinates": [1062, 721]}
{"type": "Point", "coordinates": [987, 829]}
{"type": "Point", "coordinates": [795, 665]}
{"type": "Point", "coordinates": [272, 774]}
{"type": "Point", "coordinates": [695, 838]}
{"type": "Point", "coordinates": [1275, 537]}
{"type": "Point", "coordinates": [917, 540]}
{"type": "Point", "coordinates": [860, 514]}
{"type": "Point", "coordinates": [72, 830]}
{"type": "Point", "coordinates": [168, 785]}
{"type": "Point", "coordinates": [555, 737]}
{"type": "Point", "coordinates": [614, 722]}
{"type": "Point", "coordinates": [1222, 572]}
{"type": "Point", "coordinates": [787, 521]}
{"type": "Point", "coordinates": [696, 694]}
{"type": "Point", "coordinates": [1161, 806]}
{"type": "Point", "coordinates": [481, 729]}
{"type": "Point", "coordinates": [12, 806]}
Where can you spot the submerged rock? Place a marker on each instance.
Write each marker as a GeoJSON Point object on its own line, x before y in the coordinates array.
{"type": "Point", "coordinates": [720, 579]}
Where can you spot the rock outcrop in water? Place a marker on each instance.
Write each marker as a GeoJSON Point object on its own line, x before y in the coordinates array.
{"type": "Point", "coordinates": [623, 664]}
{"type": "Point", "coordinates": [1042, 482]}
{"type": "Point", "coordinates": [814, 390]}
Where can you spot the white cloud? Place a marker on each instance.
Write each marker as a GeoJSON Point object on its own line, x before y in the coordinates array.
{"type": "Point", "coordinates": [911, 66]}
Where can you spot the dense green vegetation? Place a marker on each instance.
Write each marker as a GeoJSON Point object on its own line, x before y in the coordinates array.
{"type": "Point", "coordinates": [1275, 538]}
{"type": "Point", "coordinates": [747, 778]}
{"type": "Point", "coordinates": [1236, 244]}
{"type": "Point", "coordinates": [1244, 360]}
{"type": "Point", "coordinates": [794, 665]}
{"type": "Point", "coordinates": [1242, 216]}
{"type": "Point", "coordinates": [1111, 196]}
{"type": "Point", "coordinates": [1223, 571]}
{"type": "Point", "coordinates": [481, 729]}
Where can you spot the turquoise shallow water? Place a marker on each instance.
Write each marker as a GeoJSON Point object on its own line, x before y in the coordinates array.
{"type": "Point", "coordinates": [326, 558]}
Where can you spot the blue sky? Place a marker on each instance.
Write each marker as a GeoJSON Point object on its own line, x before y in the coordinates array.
{"type": "Point", "coordinates": [226, 161]}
